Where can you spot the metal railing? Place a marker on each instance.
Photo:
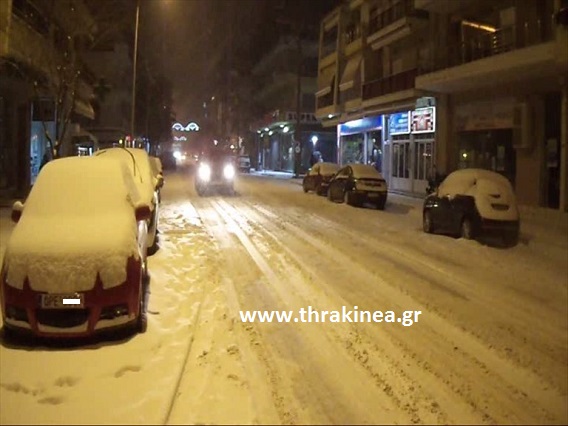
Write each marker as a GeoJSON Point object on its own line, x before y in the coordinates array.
{"type": "Point", "coordinates": [398, 11]}
{"type": "Point", "coordinates": [391, 84]}
{"type": "Point", "coordinates": [475, 47]}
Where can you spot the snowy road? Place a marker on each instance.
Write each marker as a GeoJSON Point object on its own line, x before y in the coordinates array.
{"type": "Point", "coordinates": [490, 345]}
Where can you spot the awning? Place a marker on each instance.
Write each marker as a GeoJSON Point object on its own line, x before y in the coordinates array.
{"type": "Point", "coordinates": [325, 81]}
{"type": "Point", "coordinates": [350, 73]}
{"type": "Point", "coordinates": [84, 108]}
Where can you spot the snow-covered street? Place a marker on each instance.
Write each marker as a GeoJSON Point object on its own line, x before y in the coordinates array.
{"type": "Point", "coordinates": [490, 346]}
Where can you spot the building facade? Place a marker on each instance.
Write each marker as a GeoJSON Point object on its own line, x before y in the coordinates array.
{"type": "Point", "coordinates": [458, 84]}
{"type": "Point", "coordinates": [282, 85]}
{"type": "Point", "coordinates": [38, 102]}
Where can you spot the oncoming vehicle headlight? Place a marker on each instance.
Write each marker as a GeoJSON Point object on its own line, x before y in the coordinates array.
{"type": "Point", "coordinates": [229, 171]}
{"type": "Point", "coordinates": [204, 172]}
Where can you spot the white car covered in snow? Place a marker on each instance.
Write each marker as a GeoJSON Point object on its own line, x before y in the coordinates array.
{"type": "Point", "coordinates": [75, 263]}
{"type": "Point", "coordinates": [471, 203]}
{"type": "Point", "coordinates": [146, 179]}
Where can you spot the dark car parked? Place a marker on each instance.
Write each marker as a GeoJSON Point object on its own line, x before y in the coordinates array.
{"type": "Point", "coordinates": [216, 171]}
{"type": "Point", "coordinates": [356, 184]}
{"type": "Point", "coordinates": [318, 177]}
{"type": "Point", "coordinates": [471, 203]}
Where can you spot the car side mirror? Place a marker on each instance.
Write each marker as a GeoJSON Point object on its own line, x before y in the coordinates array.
{"type": "Point", "coordinates": [17, 210]}
{"type": "Point", "coordinates": [143, 213]}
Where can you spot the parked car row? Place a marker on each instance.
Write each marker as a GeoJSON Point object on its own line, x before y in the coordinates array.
{"type": "Point", "coordinates": [469, 203]}
{"type": "Point", "coordinates": [76, 262]}
{"type": "Point", "coordinates": [354, 184]}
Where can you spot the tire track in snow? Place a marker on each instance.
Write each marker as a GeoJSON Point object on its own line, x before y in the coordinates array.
{"type": "Point", "coordinates": [526, 386]}
{"type": "Point", "coordinates": [406, 384]}
{"type": "Point", "coordinates": [430, 269]}
{"type": "Point", "coordinates": [269, 405]}
{"type": "Point", "coordinates": [325, 354]}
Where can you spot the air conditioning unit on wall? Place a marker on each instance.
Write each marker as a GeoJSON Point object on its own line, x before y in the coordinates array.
{"type": "Point", "coordinates": [523, 126]}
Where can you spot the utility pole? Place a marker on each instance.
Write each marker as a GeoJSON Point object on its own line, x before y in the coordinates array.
{"type": "Point", "coordinates": [134, 59]}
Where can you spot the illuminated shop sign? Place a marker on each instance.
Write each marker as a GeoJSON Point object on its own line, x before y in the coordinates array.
{"type": "Point", "coordinates": [361, 125]}
{"type": "Point", "coordinates": [399, 123]}
{"type": "Point", "coordinates": [191, 127]}
{"type": "Point", "coordinates": [423, 120]}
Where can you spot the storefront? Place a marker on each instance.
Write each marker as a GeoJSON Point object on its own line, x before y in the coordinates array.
{"type": "Point", "coordinates": [485, 136]}
{"type": "Point", "coordinates": [360, 141]}
{"type": "Point", "coordinates": [409, 149]}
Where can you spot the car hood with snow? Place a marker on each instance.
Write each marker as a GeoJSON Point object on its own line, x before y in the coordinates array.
{"type": "Point", "coordinates": [77, 222]}
{"type": "Point", "coordinates": [493, 194]}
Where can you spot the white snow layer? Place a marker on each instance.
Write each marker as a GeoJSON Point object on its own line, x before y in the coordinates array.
{"type": "Point", "coordinates": [487, 188]}
{"type": "Point", "coordinates": [490, 346]}
{"type": "Point", "coordinates": [365, 171]}
{"type": "Point", "coordinates": [77, 221]}
{"type": "Point", "coordinates": [138, 162]}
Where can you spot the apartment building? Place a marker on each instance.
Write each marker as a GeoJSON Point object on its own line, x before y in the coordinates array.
{"type": "Point", "coordinates": [33, 37]}
{"type": "Point", "coordinates": [278, 141]}
{"type": "Point", "coordinates": [424, 86]}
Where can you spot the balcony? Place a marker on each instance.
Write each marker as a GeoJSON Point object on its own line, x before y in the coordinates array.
{"type": "Point", "coordinates": [388, 85]}
{"type": "Point", "coordinates": [394, 23]}
{"type": "Point", "coordinates": [504, 55]}
{"type": "Point", "coordinates": [444, 6]}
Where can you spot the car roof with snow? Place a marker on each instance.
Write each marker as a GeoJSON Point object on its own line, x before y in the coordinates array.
{"type": "Point", "coordinates": [365, 171]}
{"type": "Point", "coordinates": [461, 181]}
{"type": "Point", "coordinates": [325, 168]}
{"type": "Point", "coordinates": [140, 166]}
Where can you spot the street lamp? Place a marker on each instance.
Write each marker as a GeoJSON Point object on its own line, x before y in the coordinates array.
{"type": "Point", "coordinates": [135, 57]}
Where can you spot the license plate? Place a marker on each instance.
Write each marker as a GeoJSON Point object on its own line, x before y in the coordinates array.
{"type": "Point", "coordinates": [62, 301]}
{"type": "Point", "coordinates": [373, 194]}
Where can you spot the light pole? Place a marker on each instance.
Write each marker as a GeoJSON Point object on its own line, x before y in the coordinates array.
{"type": "Point", "coordinates": [134, 60]}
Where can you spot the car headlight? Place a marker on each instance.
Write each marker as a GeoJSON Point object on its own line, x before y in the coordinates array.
{"type": "Point", "coordinates": [229, 171]}
{"type": "Point", "coordinates": [204, 172]}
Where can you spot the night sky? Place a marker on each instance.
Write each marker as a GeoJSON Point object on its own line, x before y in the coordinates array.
{"type": "Point", "coordinates": [201, 39]}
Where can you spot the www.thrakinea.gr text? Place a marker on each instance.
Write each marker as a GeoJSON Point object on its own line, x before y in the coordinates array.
{"type": "Point", "coordinates": [345, 315]}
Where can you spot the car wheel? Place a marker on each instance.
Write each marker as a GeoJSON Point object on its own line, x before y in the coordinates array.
{"type": "Point", "coordinates": [381, 204]}
{"type": "Point", "coordinates": [329, 196]}
{"type": "Point", "coordinates": [427, 225]}
{"type": "Point", "coordinates": [467, 229]}
{"type": "Point", "coordinates": [348, 198]}
{"type": "Point", "coordinates": [305, 189]}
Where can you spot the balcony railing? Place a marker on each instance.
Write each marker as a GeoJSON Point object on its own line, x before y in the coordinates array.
{"type": "Point", "coordinates": [398, 11]}
{"type": "Point", "coordinates": [394, 83]}
{"type": "Point", "coordinates": [489, 44]}
{"type": "Point", "coordinates": [325, 101]}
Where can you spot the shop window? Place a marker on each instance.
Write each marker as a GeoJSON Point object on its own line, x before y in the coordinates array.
{"type": "Point", "coordinates": [352, 149]}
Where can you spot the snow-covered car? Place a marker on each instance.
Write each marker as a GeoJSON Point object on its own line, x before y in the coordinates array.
{"type": "Point", "coordinates": [472, 202]}
{"type": "Point", "coordinates": [147, 182]}
{"type": "Point", "coordinates": [216, 171]}
{"type": "Point", "coordinates": [158, 171]}
{"type": "Point", "coordinates": [75, 263]}
{"type": "Point", "coordinates": [356, 184]}
{"type": "Point", "coordinates": [318, 177]}
{"type": "Point", "coordinates": [243, 163]}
